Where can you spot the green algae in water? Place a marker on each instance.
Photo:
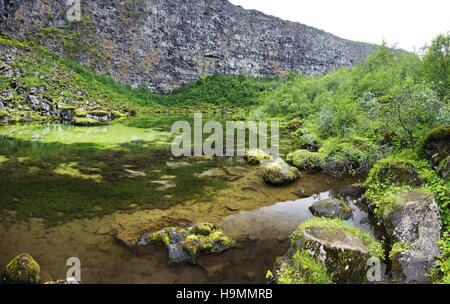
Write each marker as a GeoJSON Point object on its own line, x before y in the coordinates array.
{"type": "Point", "coordinates": [104, 136]}
{"type": "Point", "coordinates": [61, 172]}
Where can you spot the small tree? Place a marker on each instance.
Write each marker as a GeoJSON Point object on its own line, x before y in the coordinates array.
{"type": "Point", "coordinates": [411, 108]}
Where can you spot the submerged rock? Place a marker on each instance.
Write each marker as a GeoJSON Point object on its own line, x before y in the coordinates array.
{"type": "Point", "coordinates": [279, 173]}
{"type": "Point", "coordinates": [256, 156]}
{"type": "Point", "coordinates": [331, 208]}
{"type": "Point", "coordinates": [415, 228]}
{"type": "Point", "coordinates": [222, 173]}
{"type": "Point", "coordinates": [23, 270]}
{"type": "Point", "coordinates": [164, 184]}
{"type": "Point", "coordinates": [327, 250]}
{"type": "Point", "coordinates": [132, 174]}
{"type": "Point", "coordinates": [185, 244]}
{"type": "Point", "coordinates": [179, 164]}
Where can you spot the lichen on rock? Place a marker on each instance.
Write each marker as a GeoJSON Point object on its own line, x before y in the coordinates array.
{"type": "Point", "coordinates": [184, 244]}
{"type": "Point", "coordinates": [256, 156]}
{"type": "Point", "coordinates": [23, 269]}
{"type": "Point", "coordinates": [279, 173]}
{"type": "Point", "coordinates": [414, 227]}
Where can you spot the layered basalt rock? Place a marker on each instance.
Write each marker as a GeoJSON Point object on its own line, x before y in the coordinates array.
{"type": "Point", "coordinates": [163, 44]}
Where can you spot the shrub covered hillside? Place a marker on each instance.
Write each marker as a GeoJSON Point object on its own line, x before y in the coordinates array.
{"type": "Point", "coordinates": [389, 114]}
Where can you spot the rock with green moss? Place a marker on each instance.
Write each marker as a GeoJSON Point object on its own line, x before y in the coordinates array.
{"type": "Point", "coordinates": [437, 145]}
{"type": "Point", "coordinates": [328, 250]}
{"type": "Point", "coordinates": [4, 116]}
{"type": "Point", "coordinates": [184, 244]}
{"type": "Point", "coordinates": [279, 173]}
{"type": "Point", "coordinates": [294, 125]}
{"type": "Point", "coordinates": [331, 208]}
{"type": "Point", "coordinates": [395, 171]}
{"type": "Point", "coordinates": [23, 270]}
{"type": "Point", "coordinates": [256, 156]}
{"type": "Point", "coordinates": [414, 225]}
{"type": "Point", "coordinates": [306, 160]}
{"type": "Point", "coordinates": [87, 122]}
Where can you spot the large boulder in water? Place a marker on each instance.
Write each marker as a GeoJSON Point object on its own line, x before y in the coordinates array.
{"type": "Point", "coordinates": [331, 208]}
{"type": "Point", "coordinates": [414, 226]}
{"type": "Point", "coordinates": [279, 173]}
{"type": "Point", "coordinates": [327, 250]}
{"type": "Point", "coordinates": [185, 244]}
{"type": "Point", "coordinates": [23, 269]}
{"type": "Point", "coordinates": [437, 145]}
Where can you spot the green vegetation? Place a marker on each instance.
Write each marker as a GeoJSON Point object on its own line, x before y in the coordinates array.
{"type": "Point", "coordinates": [333, 225]}
{"type": "Point", "coordinates": [304, 270]}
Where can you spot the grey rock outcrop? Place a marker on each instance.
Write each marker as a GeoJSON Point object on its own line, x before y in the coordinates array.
{"type": "Point", "coordinates": [163, 44]}
{"type": "Point", "coordinates": [417, 225]}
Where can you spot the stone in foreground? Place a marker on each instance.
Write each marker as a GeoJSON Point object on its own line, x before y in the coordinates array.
{"type": "Point", "coordinates": [186, 244]}
{"type": "Point", "coordinates": [331, 208]}
{"type": "Point", "coordinates": [279, 173]}
{"type": "Point", "coordinates": [23, 270]}
{"type": "Point", "coordinates": [327, 251]}
{"type": "Point", "coordinates": [415, 227]}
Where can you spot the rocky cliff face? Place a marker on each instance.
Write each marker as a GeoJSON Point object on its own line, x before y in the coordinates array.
{"type": "Point", "coordinates": [166, 43]}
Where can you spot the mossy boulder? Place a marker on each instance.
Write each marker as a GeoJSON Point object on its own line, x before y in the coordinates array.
{"type": "Point", "coordinates": [294, 125]}
{"type": "Point", "coordinates": [306, 160]}
{"type": "Point", "coordinates": [414, 228]}
{"type": "Point", "coordinates": [279, 173]}
{"type": "Point", "coordinates": [256, 156]}
{"type": "Point", "coordinates": [437, 145]}
{"type": "Point", "coordinates": [23, 269]}
{"type": "Point", "coordinates": [184, 244]}
{"type": "Point", "coordinates": [341, 249]}
{"type": "Point", "coordinates": [331, 208]}
{"type": "Point", "coordinates": [87, 122]}
{"type": "Point", "coordinates": [395, 171]}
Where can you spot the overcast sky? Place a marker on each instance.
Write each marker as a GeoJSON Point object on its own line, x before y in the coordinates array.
{"type": "Point", "coordinates": [408, 23]}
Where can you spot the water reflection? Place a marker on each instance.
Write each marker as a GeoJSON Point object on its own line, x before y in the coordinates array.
{"type": "Point", "coordinates": [279, 220]}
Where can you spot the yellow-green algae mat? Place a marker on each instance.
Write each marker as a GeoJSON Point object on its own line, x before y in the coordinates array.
{"type": "Point", "coordinates": [184, 244]}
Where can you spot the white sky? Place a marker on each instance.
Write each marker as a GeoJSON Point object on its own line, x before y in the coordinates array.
{"type": "Point", "coordinates": [408, 23]}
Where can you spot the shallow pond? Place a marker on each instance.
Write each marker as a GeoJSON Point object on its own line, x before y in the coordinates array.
{"type": "Point", "coordinates": [89, 192]}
